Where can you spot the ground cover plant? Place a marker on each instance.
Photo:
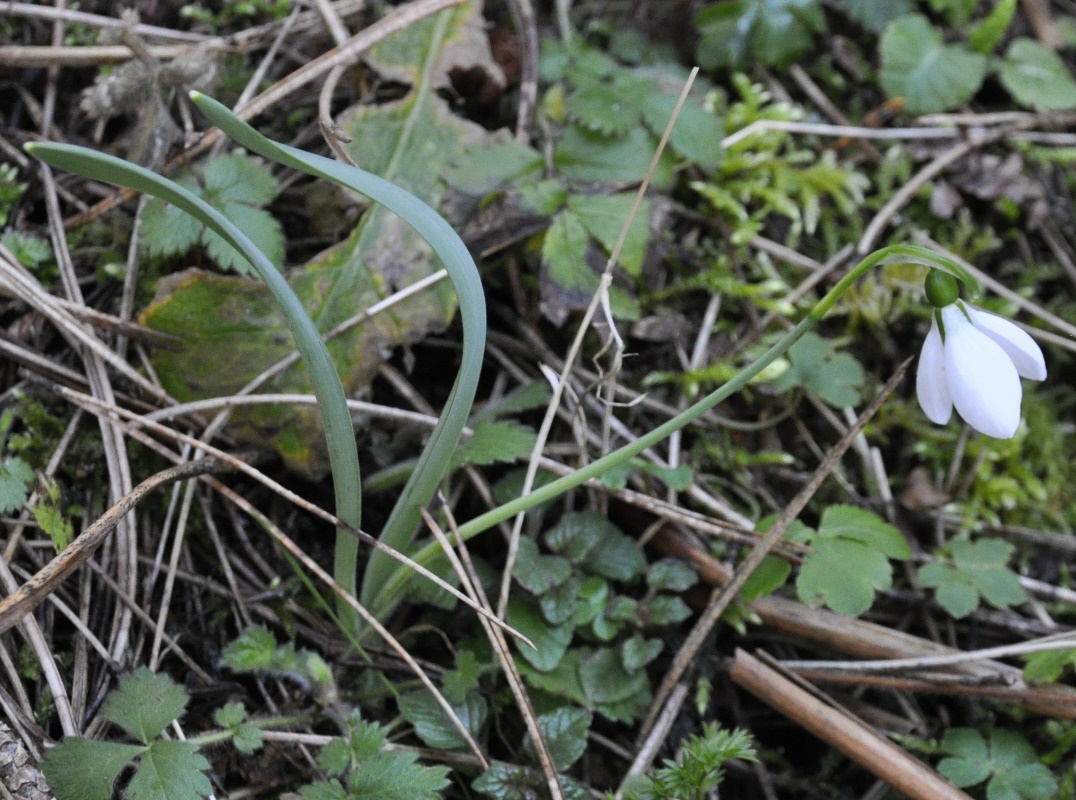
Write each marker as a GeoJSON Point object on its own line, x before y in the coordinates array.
{"type": "Point", "coordinates": [456, 401]}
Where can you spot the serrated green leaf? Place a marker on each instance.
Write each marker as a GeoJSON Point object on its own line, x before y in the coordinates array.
{"type": "Point", "coordinates": [931, 76]}
{"type": "Point", "coordinates": [551, 641]}
{"type": "Point", "coordinates": [837, 378]}
{"type": "Point", "coordinates": [605, 215]}
{"type": "Point", "coordinates": [698, 132]}
{"type": "Point", "coordinates": [396, 776]}
{"type": "Point", "coordinates": [254, 650]}
{"type": "Point", "coordinates": [985, 36]}
{"type": "Point", "coordinates": [616, 556]}
{"type": "Point", "coordinates": [505, 782]}
{"type": "Point", "coordinates": [637, 652]}
{"type": "Point", "coordinates": [484, 167]}
{"type": "Point", "coordinates": [953, 590]}
{"type": "Point", "coordinates": [539, 573]}
{"type": "Point", "coordinates": [577, 533]}
{"type": "Point", "coordinates": [257, 223]}
{"type": "Point", "coordinates": [874, 16]}
{"type": "Point", "coordinates": [170, 771]}
{"type": "Point", "coordinates": [614, 692]}
{"type": "Point", "coordinates": [1037, 77]}
{"type": "Point", "coordinates": [663, 609]}
{"type": "Point", "coordinates": [323, 790]}
{"type": "Point", "coordinates": [248, 739]}
{"type": "Point", "coordinates": [495, 441]}
{"type": "Point", "coordinates": [230, 715]}
{"type": "Point", "coordinates": [560, 603]}
{"type": "Point", "coordinates": [144, 704]}
{"type": "Point", "coordinates": [167, 231]}
{"type": "Point", "coordinates": [1048, 666]}
{"type": "Point", "coordinates": [16, 478]}
{"type": "Point", "coordinates": [737, 34]}
{"type": "Point", "coordinates": [565, 733]}
{"type": "Point", "coordinates": [365, 739]}
{"type": "Point", "coordinates": [83, 769]}
{"type": "Point", "coordinates": [30, 251]}
{"type": "Point", "coordinates": [603, 109]}
{"type": "Point", "coordinates": [238, 178]}
{"type": "Point", "coordinates": [1009, 762]}
{"type": "Point", "coordinates": [53, 522]}
{"type": "Point", "coordinates": [843, 574]}
{"type": "Point", "coordinates": [334, 758]}
{"type": "Point", "coordinates": [979, 568]}
{"type": "Point", "coordinates": [591, 158]}
{"type": "Point", "coordinates": [671, 575]}
{"type": "Point", "coordinates": [433, 726]}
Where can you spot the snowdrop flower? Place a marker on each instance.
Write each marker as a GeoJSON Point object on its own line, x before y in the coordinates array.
{"type": "Point", "coordinates": [974, 361]}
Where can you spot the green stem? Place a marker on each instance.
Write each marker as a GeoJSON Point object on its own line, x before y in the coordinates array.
{"type": "Point", "coordinates": [387, 599]}
{"type": "Point", "coordinates": [262, 724]}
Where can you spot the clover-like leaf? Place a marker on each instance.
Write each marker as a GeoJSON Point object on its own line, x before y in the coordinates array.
{"type": "Point", "coordinates": [978, 569]}
{"type": "Point", "coordinates": [931, 76]}
{"type": "Point", "coordinates": [1005, 758]}
{"type": "Point", "coordinates": [815, 364]}
{"type": "Point", "coordinates": [539, 573]}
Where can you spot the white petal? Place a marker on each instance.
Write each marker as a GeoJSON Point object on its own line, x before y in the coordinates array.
{"type": "Point", "coordinates": [1014, 340]}
{"type": "Point", "coordinates": [930, 384]}
{"type": "Point", "coordinates": [982, 380]}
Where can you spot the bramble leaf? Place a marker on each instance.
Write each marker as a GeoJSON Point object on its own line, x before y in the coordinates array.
{"type": "Point", "coordinates": [144, 704]}
{"type": "Point", "coordinates": [84, 769]}
{"type": "Point", "coordinates": [432, 724]}
{"type": "Point", "coordinates": [170, 771]}
{"type": "Point", "coordinates": [495, 441]}
{"type": "Point", "coordinates": [1048, 666]}
{"type": "Point", "coordinates": [16, 477]}
{"type": "Point", "coordinates": [396, 776]}
{"type": "Point", "coordinates": [931, 76]}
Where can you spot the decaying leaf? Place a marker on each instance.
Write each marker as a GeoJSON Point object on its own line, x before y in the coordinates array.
{"type": "Point", "coordinates": [230, 326]}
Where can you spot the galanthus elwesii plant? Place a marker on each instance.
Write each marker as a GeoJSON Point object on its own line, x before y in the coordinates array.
{"type": "Point", "coordinates": [974, 361]}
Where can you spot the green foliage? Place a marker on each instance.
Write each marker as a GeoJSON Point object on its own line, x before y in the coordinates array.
{"type": "Point", "coordinates": [256, 650]}
{"type": "Point", "coordinates": [433, 726]}
{"type": "Point", "coordinates": [1048, 666]}
{"type": "Point", "coordinates": [50, 518]}
{"type": "Point", "coordinates": [874, 16]}
{"type": "Point", "coordinates": [16, 478]}
{"type": "Point", "coordinates": [10, 191]}
{"type": "Point", "coordinates": [678, 478]}
{"type": "Point", "coordinates": [1036, 77]}
{"type": "Point", "coordinates": [849, 560]}
{"type": "Point", "coordinates": [143, 705]}
{"type": "Point", "coordinates": [236, 186]}
{"type": "Point", "coordinates": [978, 569]}
{"type": "Point", "coordinates": [698, 771]}
{"type": "Point", "coordinates": [236, 11]}
{"type": "Point", "coordinates": [771, 173]}
{"type": "Point", "coordinates": [246, 737]}
{"type": "Point", "coordinates": [370, 772]}
{"type": "Point", "coordinates": [571, 597]}
{"type": "Point", "coordinates": [1004, 758]}
{"type": "Point", "coordinates": [930, 75]}
{"type": "Point", "coordinates": [985, 36]}
{"type": "Point", "coordinates": [565, 732]}
{"type": "Point", "coordinates": [837, 378]}
{"type": "Point", "coordinates": [737, 34]}
{"type": "Point", "coordinates": [30, 251]}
